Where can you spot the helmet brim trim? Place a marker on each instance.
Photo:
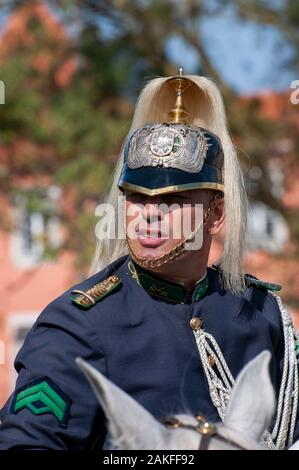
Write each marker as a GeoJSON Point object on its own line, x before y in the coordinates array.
{"type": "Point", "coordinates": [170, 189]}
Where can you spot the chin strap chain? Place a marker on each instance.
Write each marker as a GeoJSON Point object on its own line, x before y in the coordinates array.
{"type": "Point", "coordinates": [221, 381]}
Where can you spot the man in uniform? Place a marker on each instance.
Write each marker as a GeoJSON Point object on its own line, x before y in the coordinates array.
{"type": "Point", "coordinates": [157, 321]}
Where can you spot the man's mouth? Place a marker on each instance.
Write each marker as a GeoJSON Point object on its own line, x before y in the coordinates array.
{"type": "Point", "coordinates": [150, 233]}
{"type": "Point", "coordinates": [151, 238]}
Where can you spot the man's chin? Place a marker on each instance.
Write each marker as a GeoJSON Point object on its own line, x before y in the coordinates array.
{"type": "Point", "coordinates": [149, 253]}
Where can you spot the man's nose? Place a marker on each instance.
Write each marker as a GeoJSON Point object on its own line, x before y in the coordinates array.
{"type": "Point", "coordinates": [151, 210]}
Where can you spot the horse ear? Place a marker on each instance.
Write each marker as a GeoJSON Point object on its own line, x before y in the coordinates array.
{"type": "Point", "coordinates": [129, 424]}
{"type": "Point", "coordinates": [251, 406]}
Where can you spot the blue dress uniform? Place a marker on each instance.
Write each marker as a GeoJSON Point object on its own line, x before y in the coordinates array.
{"type": "Point", "coordinates": [136, 328]}
{"type": "Point", "coordinates": [140, 330]}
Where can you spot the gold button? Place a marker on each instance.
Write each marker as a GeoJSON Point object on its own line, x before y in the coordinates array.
{"type": "Point", "coordinates": [211, 361]}
{"type": "Point", "coordinates": [195, 323]}
{"type": "Point", "coordinates": [207, 429]}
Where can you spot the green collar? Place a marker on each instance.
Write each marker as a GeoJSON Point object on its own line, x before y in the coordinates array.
{"type": "Point", "coordinates": [167, 290]}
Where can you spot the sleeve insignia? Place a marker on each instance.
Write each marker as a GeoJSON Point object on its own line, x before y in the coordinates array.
{"type": "Point", "coordinates": [87, 299]}
{"type": "Point", "coordinates": [253, 281]}
{"type": "Point", "coordinates": [42, 396]}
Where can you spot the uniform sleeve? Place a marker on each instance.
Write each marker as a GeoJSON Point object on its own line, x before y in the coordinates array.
{"type": "Point", "coordinates": [53, 406]}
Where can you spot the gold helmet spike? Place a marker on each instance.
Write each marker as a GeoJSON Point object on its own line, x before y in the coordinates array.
{"type": "Point", "coordinates": [178, 114]}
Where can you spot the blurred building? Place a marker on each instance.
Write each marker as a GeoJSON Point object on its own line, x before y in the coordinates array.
{"type": "Point", "coordinates": [272, 253]}
{"type": "Point", "coordinates": [28, 283]}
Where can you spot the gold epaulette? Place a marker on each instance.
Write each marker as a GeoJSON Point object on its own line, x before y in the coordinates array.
{"type": "Point", "coordinates": [86, 299]}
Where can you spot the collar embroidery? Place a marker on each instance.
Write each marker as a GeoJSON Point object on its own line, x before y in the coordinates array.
{"type": "Point", "coordinates": [167, 290]}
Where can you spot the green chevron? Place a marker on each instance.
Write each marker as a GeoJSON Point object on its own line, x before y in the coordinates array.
{"type": "Point", "coordinates": [45, 393]}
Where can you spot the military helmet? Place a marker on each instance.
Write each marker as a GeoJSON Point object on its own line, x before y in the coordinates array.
{"type": "Point", "coordinates": [171, 156]}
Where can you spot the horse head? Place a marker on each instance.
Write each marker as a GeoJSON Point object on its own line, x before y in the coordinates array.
{"type": "Point", "coordinates": [248, 415]}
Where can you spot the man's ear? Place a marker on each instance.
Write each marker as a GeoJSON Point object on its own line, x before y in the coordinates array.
{"type": "Point", "coordinates": [217, 217]}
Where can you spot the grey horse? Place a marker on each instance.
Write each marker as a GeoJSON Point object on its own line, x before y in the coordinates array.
{"type": "Point", "coordinates": [249, 413]}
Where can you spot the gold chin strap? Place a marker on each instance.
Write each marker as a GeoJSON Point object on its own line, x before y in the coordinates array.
{"type": "Point", "coordinates": [174, 252]}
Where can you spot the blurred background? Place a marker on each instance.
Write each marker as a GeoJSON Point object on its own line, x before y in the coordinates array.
{"type": "Point", "coordinates": [72, 71]}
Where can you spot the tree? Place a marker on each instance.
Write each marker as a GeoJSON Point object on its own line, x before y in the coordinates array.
{"type": "Point", "coordinates": [70, 135]}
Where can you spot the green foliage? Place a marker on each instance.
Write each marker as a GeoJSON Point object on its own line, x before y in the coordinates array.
{"type": "Point", "coordinates": [35, 200]}
{"type": "Point", "coordinates": [82, 239]}
{"type": "Point", "coordinates": [64, 136]}
{"type": "Point", "coordinates": [69, 136]}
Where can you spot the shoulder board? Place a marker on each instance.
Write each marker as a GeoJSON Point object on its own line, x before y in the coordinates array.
{"type": "Point", "coordinates": [253, 281]}
{"type": "Point", "coordinates": [88, 298]}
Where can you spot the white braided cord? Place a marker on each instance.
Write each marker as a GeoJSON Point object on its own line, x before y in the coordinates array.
{"type": "Point", "coordinates": [219, 391]}
{"type": "Point", "coordinates": [221, 383]}
{"type": "Point", "coordinates": [288, 394]}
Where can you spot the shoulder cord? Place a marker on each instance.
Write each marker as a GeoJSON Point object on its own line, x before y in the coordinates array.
{"type": "Point", "coordinates": [220, 385]}
{"type": "Point", "coordinates": [288, 394]}
{"type": "Point", "coordinates": [221, 381]}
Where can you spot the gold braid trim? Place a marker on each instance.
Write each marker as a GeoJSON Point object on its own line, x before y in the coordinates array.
{"type": "Point", "coordinates": [95, 293]}
{"type": "Point", "coordinates": [174, 252]}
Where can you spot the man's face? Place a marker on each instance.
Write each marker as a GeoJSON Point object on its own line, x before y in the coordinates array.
{"type": "Point", "coordinates": [156, 224]}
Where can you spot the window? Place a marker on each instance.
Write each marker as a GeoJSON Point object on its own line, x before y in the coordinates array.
{"type": "Point", "coordinates": [37, 226]}
{"type": "Point", "coordinates": [267, 230]}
